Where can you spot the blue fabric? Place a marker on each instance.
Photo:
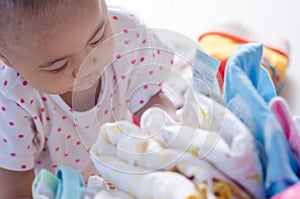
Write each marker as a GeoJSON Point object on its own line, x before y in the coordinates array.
{"type": "Point", "coordinates": [70, 185]}
{"type": "Point", "coordinates": [248, 89]}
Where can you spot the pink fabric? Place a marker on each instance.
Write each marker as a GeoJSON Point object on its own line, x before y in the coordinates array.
{"type": "Point", "coordinates": [291, 193]}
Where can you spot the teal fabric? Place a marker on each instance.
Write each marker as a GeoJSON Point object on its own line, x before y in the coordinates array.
{"type": "Point", "coordinates": [44, 185]}
{"type": "Point", "coordinates": [70, 185]}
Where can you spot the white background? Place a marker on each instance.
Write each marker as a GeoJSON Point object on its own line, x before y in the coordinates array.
{"type": "Point", "coordinates": [193, 17]}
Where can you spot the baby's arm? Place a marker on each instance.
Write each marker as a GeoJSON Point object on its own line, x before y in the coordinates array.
{"type": "Point", "coordinates": [15, 184]}
{"type": "Point", "coordinates": [158, 100]}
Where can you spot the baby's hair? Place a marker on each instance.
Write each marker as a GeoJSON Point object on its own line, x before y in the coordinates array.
{"type": "Point", "coordinates": [14, 12]}
{"type": "Point", "coordinates": [31, 6]}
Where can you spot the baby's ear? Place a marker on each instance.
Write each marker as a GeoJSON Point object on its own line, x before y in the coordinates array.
{"type": "Point", "coordinates": [4, 59]}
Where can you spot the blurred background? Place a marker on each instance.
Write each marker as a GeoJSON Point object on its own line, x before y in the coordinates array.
{"type": "Point", "coordinates": [276, 18]}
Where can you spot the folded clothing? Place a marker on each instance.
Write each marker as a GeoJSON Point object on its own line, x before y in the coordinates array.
{"type": "Point", "coordinates": [67, 183]}
{"type": "Point", "coordinates": [165, 159]}
{"type": "Point", "coordinates": [222, 40]}
{"type": "Point", "coordinates": [248, 90]}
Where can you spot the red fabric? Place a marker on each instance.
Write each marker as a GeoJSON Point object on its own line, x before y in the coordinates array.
{"type": "Point", "coordinates": [134, 120]}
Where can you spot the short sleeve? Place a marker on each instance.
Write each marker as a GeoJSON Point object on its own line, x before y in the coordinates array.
{"type": "Point", "coordinates": [151, 72]}
{"type": "Point", "coordinates": [142, 61]}
{"type": "Point", "coordinates": [18, 140]}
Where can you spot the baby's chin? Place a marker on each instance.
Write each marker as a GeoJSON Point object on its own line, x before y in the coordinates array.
{"type": "Point", "coordinates": [84, 86]}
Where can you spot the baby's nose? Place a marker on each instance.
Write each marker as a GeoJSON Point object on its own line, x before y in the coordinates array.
{"type": "Point", "coordinates": [75, 73]}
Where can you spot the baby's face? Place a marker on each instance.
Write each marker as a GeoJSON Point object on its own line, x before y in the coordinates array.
{"type": "Point", "coordinates": [54, 46]}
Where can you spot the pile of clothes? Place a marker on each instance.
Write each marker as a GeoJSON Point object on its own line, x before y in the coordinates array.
{"type": "Point", "coordinates": [238, 145]}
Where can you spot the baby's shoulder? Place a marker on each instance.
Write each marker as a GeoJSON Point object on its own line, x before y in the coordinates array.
{"type": "Point", "coordinates": [124, 19]}
{"type": "Point", "coordinates": [13, 86]}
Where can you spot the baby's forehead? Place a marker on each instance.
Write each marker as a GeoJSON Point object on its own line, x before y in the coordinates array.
{"type": "Point", "coordinates": [29, 19]}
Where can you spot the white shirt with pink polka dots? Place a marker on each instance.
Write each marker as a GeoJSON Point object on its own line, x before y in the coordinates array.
{"type": "Point", "coordinates": [39, 130]}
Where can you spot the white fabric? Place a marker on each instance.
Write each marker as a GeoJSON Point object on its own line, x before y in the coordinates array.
{"type": "Point", "coordinates": [221, 148]}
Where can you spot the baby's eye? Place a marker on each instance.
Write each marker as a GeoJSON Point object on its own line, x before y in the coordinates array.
{"type": "Point", "coordinates": [58, 70]}
{"type": "Point", "coordinates": [98, 41]}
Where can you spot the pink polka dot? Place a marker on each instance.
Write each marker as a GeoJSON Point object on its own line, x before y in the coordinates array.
{"type": "Point", "coordinates": [64, 117]}
{"type": "Point", "coordinates": [25, 83]}
{"type": "Point", "coordinates": [133, 61]}
{"type": "Point", "coordinates": [87, 127]}
{"type": "Point", "coordinates": [23, 166]}
{"type": "Point", "coordinates": [3, 67]}
{"type": "Point", "coordinates": [78, 143]}
{"type": "Point", "coordinates": [105, 112]}
{"type": "Point", "coordinates": [54, 166]}
{"type": "Point", "coordinates": [66, 154]}
{"type": "Point", "coordinates": [115, 17]}
{"type": "Point", "coordinates": [5, 83]}
{"type": "Point", "coordinates": [69, 136]}
{"type": "Point", "coordinates": [71, 110]}
{"type": "Point", "coordinates": [153, 55]}
{"type": "Point", "coordinates": [142, 59]}
{"type": "Point", "coordinates": [125, 31]}
{"type": "Point", "coordinates": [35, 117]}
{"type": "Point", "coordinates": [161, 68]}
{"type": "Point", "coordinates": [137, 35]}
{"type": "Point", "coordinates": [3, 108]}
{"type": "Point", "coordinates": [18, 74]}
{"type": "Point", "coordinates": [144, 41]}
{"type": "Point", "coordinates": [131, 15]}
{"type": "Point", "coordinates": [160, 84]}
{"type": "Point", "coordinates": [172, 62]}
{"type": "Point", "coordinates": [141, 101]}
{"type": "Point", "coordinates": [11, 124]}
{"type": "Point", "coordinates": [57, 149]}
{"type": "Point", "coordinates": [46, 139]}
{"type": "Point", "coordinates": [123, 76]}
{"type": "Point", "coordinates": [77, 160]}
{"type": "Point", "coordinates": [48, 118]}
{"type": "Point", "coordinates": [126, 42]}
{"type": "Point", "coordinates": [20, 136]}
{"type": "Point", "coordinates": [22, 100]}
{"type": "Point", "coordinates": [128, 100]}
{"type": "Point", "coordinates": [118, 56]}
{"type": "Point", "coordinates": [59, 130]}
{"type": "Point", "coordinates": [151, 72]}
{"type": "Point", "coordinates": [44, 149]}
{"type": "Point", "coordinates": [13, 154]}
{"type": "Point", "coordinates": [31, 101]}
{"type": "Point", "coordinates": [4, 140]}
{"type": "Point", "coordinates": [42, 110]}
{"type": "Point", "coordinates": [44, 99]}
{"type": "Point", "coordinates": [146, 87]}
{"type": "Point", "coordinates": [28, 147]}
{"type": "Point", "coordinates": [158, 52]}
{"type": "Point", "coordinates": [39, 162]}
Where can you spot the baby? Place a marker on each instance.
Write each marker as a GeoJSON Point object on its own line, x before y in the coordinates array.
{"type": "Point", "coordinates": [65, 70]}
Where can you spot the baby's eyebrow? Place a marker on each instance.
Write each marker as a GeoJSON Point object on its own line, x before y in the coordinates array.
{"type": "Point", "coordinates": [98, 28]}
{"type": "Point", "coordinates": [51, 62]}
